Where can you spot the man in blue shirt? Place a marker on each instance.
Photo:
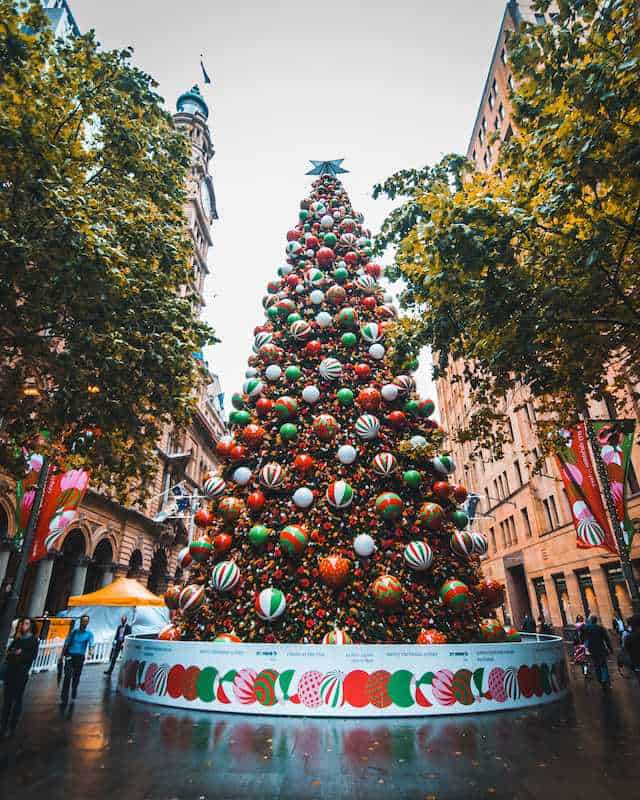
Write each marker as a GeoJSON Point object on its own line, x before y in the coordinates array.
{"type": "Point", "coordinates": [73, 652]}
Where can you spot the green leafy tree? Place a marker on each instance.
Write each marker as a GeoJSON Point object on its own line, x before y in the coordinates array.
{"type": "Point", "coordinates": [94, 253]}
{"type": "Point", "coordinates": [530, 273]}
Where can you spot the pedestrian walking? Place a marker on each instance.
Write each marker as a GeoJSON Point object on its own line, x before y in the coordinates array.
{"type": "Point", "coordinates": [21, 654]}
{"type": "Point", "coordinates": [598, 644]}
{"type": "Point", "coordinates": [74, 653]}
{"type": "Point", "coordinates": [528, 625]}
{"type": "Point", "coordinates": [632, 645]}
{"type": "Point", "coordinates": [122, 631]}
{"type": "Point", "coordinates": [618, 627]}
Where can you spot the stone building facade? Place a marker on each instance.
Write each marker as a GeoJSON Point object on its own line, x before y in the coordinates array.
{"type": "Point", "coordinates": [526, 517]}
{"type": "Point", "coordinates": [109, 539]}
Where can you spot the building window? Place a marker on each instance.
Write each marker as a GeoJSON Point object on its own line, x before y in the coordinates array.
{"type": "Point", "coordinates": [481, 137]}
{"type": "Point", "coordinates": [492, 535]}
{"type": "Point", "coordinates": [618, 590]}
{"type": "Point", "coordinates": [510, 424]}
{"type": "Point", "coordinates": [496, 124]}
{"type": "Point", "coordinates": [486, 493]}
{"type": "Point", "coordinates": [563, 596]}
{"type": "Point", "coordinates": [506, 485]}
{"type": "Point", "coordinates": [516, 464]}
{"type": "Point", "coordinates": [473, 155]}
{"type": "Point", "coordinates": [485, 161]}
{"type": "Point", "coordinates": [504, 535]}
{"type": "Point", "coordinates": [514, 533]}
{"type": "Point", "coordinates": [484, 124]}
{"type": "Point", "coordinates": [494, 87]}
{"type": "Point", "coordinates": [491, 101]}
{"type": "Point", "coordinates": [501, 112]}
{"type": "Point", "coordinates": [510, 82]}
{"type": "Point", "coordinates": [526, 412]}
{"type": "Point", "coordinates": [551, 512]}
{"type": "Point", "coordinates": [587, 594]}
{"type": "Point", "coordinates": [541, 596]}
{"type": "Point", "coordinates": [526, 522]}
{"type": "Point", "coordinates": [503, 56]}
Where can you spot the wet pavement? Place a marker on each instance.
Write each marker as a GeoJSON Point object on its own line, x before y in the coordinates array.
{"type": "Point", "coordinates": [582, 748]}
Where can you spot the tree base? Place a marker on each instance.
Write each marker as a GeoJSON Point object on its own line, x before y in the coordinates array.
{"type": "Point", "coordinates": [344, 681]}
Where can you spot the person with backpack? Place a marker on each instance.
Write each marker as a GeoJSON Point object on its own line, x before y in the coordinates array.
{"type": "Point", "coordinates": [597, 642]}
{"type": "Point", "coordinates": [74, 653]}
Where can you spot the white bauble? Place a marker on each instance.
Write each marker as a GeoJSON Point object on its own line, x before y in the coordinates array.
{"type": "Point", "coordinates": [317, 296]}
{"type": "Point", "coordinates": [285, 269]}
{"type": "Point", "coordinates": [273, 372]}
{"type": "Point", "coordinates": [364, 545]}
{"type": "Point", "coordinates": [376, 351]}
{"type": "Point", "coordinates": [327, 221]}
{"type": "Point", "coordinates": [347, 454]}
{"type": "Point", "coordinates": [389, 392]}
{"type": "Point", "coordinates": [388, 297]}
{"type": "Point", "coordinates": [309, 253]}
{"type": "Point", "coordinates": [324, 319]}
{"type": "Point", "coordinates": [303, 497]}
{"type": "Point", "coordinates": [299, 289]}
{"type": "Point", "coordinates": [311, 394]}
{"type": "Point", "coordinates": [418, 441]}
{"type": "Point", "coordinates": [241, 476]}
{"type": "Point", "coordinates": [252, 372]}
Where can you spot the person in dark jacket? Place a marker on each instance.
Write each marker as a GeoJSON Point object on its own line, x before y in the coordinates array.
{"type": "Point", "coordinates": [632, 644]}
{"type": "Point", "coordinates": [597, 642]}
{"type": "Point", "coordinates": [21, 654]}
{"type": "Point", "coordinates": [122, 631]}
{"type": "Point", "coordinates": [528, 625]}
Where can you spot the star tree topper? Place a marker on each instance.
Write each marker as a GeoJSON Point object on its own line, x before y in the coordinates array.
{"type": "Point", "coordinates": [327, 167]}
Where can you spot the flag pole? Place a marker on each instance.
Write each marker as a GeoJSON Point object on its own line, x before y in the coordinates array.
{"type": "Point", "coordinates": [27, 543]}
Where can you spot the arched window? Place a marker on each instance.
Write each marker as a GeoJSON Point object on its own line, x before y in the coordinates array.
{"type": "Point", "coordinates": [158, 572]}
{"type": "Point", "coordinates": [135, 564]}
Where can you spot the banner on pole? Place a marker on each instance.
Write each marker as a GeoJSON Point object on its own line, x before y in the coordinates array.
{"type": "Point", "coordinates": [25, 495]}
{"type": "Point", "coordinates": [615, 442]}
{"type": "Point", "coordinates": [580, 481]}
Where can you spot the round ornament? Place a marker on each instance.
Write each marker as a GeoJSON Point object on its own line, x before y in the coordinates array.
{"type": "Point", "coordinates": [339, 494]}
{"type": "Point", "coordinates": [376, 351]}
{"type": "Point", "coordinates": [367, 427]}
{"type": "Point", "coordinates": [311, 394]}
{"type": "Point", "coordinates": [364, 545]}
{"type": "Point", "coordinates": [336, 295]}
{"type": "Point", "coordinates": [325, 427]}
{"type": "Point", "coordinates": [270, 604]}
{"type": "Point", "coordinates": [253, 388]}
{"type": "Point", "coordinates": [346, 318]}
{"type": "Point", "coordinates": [258, 535]}
{"type": "Point", "coordinates": [330, 369]}
{"type": "Point", "coordinates": [387, 591]}
{"type": "Point", "coordinates": [203, 518]}
{"type": "Point", "coordinates": [430, 516]}
{"type": "Point", "coordinates": [230, 508]}
{"type": "Point", "coordinates": [292, 372]}
{"type": "Point", "coordinates": [325, 256]}
{"type": "Point", "coordinates": [389, 506]}
{"type": "Point", "coordinates": [389, 392]}
{"type": "Point", "coordinates": [371, 332]}
{"type": "Point", "coordinates": [286, 407]}
{"type": "Point", "coordinates": [480, 543]}
{"type": "Point", "coordinates": [303, 497]}
{"type": "Point", "coordinates": [261, 339]}
{"type": "Point", "coordinates": [385, 464]}
{"type": "Point", "coordinates": [300, 330]}
{"type": "Point", "coordinates": [347, 454]}
{"type": "Point", "coordinates": [418, 556]}
{"type": "Point", "coordinates": [227, 638]}
{"type": "Point", "coordinates": [172, 597]}
{"type": "Point", "coordinates": [191, 598]}
{"type": "Point", "coordinates": [512, 634]}
{"type": "Point", "coordinates": [336, 636]}
{"type": "Point", "coordinates": [222, 542]}
{"type": "Point", "coordinates": [288, 431]}
{"type": "Point", "coordinates": [303, 463]}
{"type": "Point", "coordinates": [461, 544]}
{"type": "Point", "coordinates": [405, 385]}
{"type": "Point", "coordinates": [367, 284]}
{"type": "Point", "coordinates": [491, 630]}
{"type": "Point", "coordinates": [241, 476]}
{"type": "Point", "coordinates": [369, 398]}
{"type": "Point", "coordinates": [459, 519]}
{"type": "Point", "coordinates": [417, 442]}
{"type": "Point", "coordinates": [184, 558]}
{"type": "Point", "coordinates": [442, 490]}
{"type": "Point", "coordinates": [349, 339]}
{"type": "Point", "coordinates": [293, 539]}
{"type": "Point", "coordinates": [334, 571]}
{"type": "Point", "coordinates": [273, 372]}
{"type": "Point", "coordinates": [253, 435]}
{"type": "Point", "coordinates": [316, 297]}
{"type": "Point", "coordinates": [256, 501]}
{"type": "Point", "coordinates": [225, 576]}
{"type": "Point", "coordinates": [455, 594]}
{"type": "Point", "coordinates": [324, 319]}
{"type": "Point", "coordinates": [412, 478]}
{"type": "Point", "coordinates": [272, 475]}
{"type": "Point", "coordinates": [213, 485]}
{"type": "Point", "coordinates": [445, 465]}
{"type": "Point", "coordinates": [426, 408]}
{"type": "Point", "coordinates": [344, 396]}
{"type": "Point", "coordinates": [431, 636]}
{"type": "Point", "coordinates": [200, 549]}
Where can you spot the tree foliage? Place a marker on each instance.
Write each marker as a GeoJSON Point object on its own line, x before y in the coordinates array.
{"type": "Point", "coordinates": [93, 251]}
{"type": "Point", "coordinates": [530, 273]}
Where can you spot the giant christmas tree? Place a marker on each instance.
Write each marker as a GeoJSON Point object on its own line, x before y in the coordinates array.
{"type": "Point", "coordinates": [333, 520]}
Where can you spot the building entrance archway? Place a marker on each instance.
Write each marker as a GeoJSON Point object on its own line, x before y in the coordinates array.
{"type": "Point", "coordinates": [64, 580]}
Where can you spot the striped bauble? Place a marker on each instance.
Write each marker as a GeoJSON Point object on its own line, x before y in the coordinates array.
{"type": "Point", "coordinates": [367, 284]}
{"type": "Point", "coordinates": [389, 505]}
{"type": "Point", "coordinates": [272, 475]}
{"type": "Point", "coordinates": [480, 543]}
{"type": "Point", "coordinates": [418, 555]}
{"type": "Point", "coordinates": [367, 427]}
{"type": "Point", "coordinates": [461, 544]}
{"type": "Point", "coordinates": [213, 485]}
{"type": "Point", "coordinates": [300, 330]}
{"type": "Point", "coordinates": [225, 576]}
{"type": "Point", "coordinates": [286, 407]}
{"type": "Point", "coordinates": [371, 332]}
{"type": "Point", "coordinates": [293, 539]}
{"type": "Point", "coordinates": [191, 598]}
{"type": "Point", "coordinates": [336, 636]}
{"type": "Point", "coordinates": [330, 369]}
{"type": "Point", "coordinates": [253, 388]}
{"type": "Point", "coordinates": [339, 494]}
{"type": "Point", "coordinates": [332, 689]}
{"type": "Point", "coordinates": [270, 604]}
{"type": "Point", "coordinates": [385, 464]}
{"type": "Point", "coordinates": [261, 339]}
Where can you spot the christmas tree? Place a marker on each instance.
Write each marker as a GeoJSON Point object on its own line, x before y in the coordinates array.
{"type": "Point", "coordinates": [333, 519]}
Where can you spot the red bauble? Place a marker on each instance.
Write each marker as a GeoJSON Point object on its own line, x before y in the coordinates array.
{"type": "Point", "coordinates": [238, 452]}
{"type": "Point", "coordinates": [171, 596]}
{"type": "Point", "coordinates": [363, 371]}
{"type": "Point", "coordinates": [224, 446]}
{"type": "Point", "coordinates": [334, 571]}
{"type": "Point", "coordinates": [203, 518]}
{"type": "Point", "coordinates": [431, 636]}
{"type": "Point", "coordinates": [325, 256]}
{"type": "Point", "coordinates": [293, 281]}
{"type": "Point", "coordinates": [397, 419]}
{"type": "Point", "coordinates": [459, 493]}
{"type": "Point", "coordinates": [313, 348]}
{"type": "Point", "coordinates": [256, 501]}
{"type": "Point", "coordinates": [351, 257]}
{"type": "Point", "coordinates": [293, 235]}
{"type": "Point", "coordinates": [303, 463]}
{"type": "Point", "coordinates": [169, 634]}
{"type": "Point", "coordinates": [311, 241]}
{"type": "Point", "coordinates": [369, 398]}
{"type": "Point", "coordinates": [373, 269]}
{"type": "Point", "coordinates": [222, 542]}
{"type": "Point", "coordinates": [442, 489]}
{"type": "Point", "coordinates": [368, 302]}
{"type": "Point", "coordinates": [253, 435]}
{"type": "Point", "coordinates": [264, 406]}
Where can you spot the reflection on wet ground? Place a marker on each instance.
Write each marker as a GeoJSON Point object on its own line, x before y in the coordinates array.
{"type": "Point", "coordinates": [583, 748]}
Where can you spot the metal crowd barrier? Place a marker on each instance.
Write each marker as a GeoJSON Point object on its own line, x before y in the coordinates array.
{"type": "Point", "coordinates": [49, 654]}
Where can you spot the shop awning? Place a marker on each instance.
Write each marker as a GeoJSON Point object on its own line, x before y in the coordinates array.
{"type": "Point", "coordinates": [121, 592]}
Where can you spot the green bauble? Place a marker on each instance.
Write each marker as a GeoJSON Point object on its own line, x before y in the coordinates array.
{"type": "Point", "coordinates": [412, 478]}
{"type": "Point", "coordinates": [460, 519]}
{"type": "Point", "coordinates": [303, 214]}
{"type": "Point", "coordinates": [341, 274]}
{"type": "Point", "coordinates": [237, 400]}
{"type": "Point", "coordinates": [293, 318]}
{"type": "Point", "coordinates": [368, 252]}
{"type": "Point", "coordinates": [239, 417]}
{"type": "Point", "coordinates": [288, 431]}
{"type": "Point", "coordinates": [349, 339]}
{"type": "Point", "coordinates": [412, 365]}
{"type": "Point", "coordinates": [293, 372]}
{"type": "Point", "coordinates": [258, 535]}
{"type": "Point", "coordinates": [330, 240]}
{"type": "Point", "coordinates": [272, 312]}
{"type": "Point", "coordinates": [345, 396]}
{"type": "Point", "coordinates": [411, 407]}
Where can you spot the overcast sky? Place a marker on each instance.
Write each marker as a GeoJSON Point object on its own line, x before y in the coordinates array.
{"type": "Point", "coordinates": [384, 85]}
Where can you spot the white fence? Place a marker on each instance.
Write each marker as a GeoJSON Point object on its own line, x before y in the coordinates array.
{"type": "Point", "coordinates": [49, 654]}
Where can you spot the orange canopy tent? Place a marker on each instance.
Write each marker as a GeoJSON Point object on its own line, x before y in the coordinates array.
{"type": "Point", "coordinates": [121, 592]}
